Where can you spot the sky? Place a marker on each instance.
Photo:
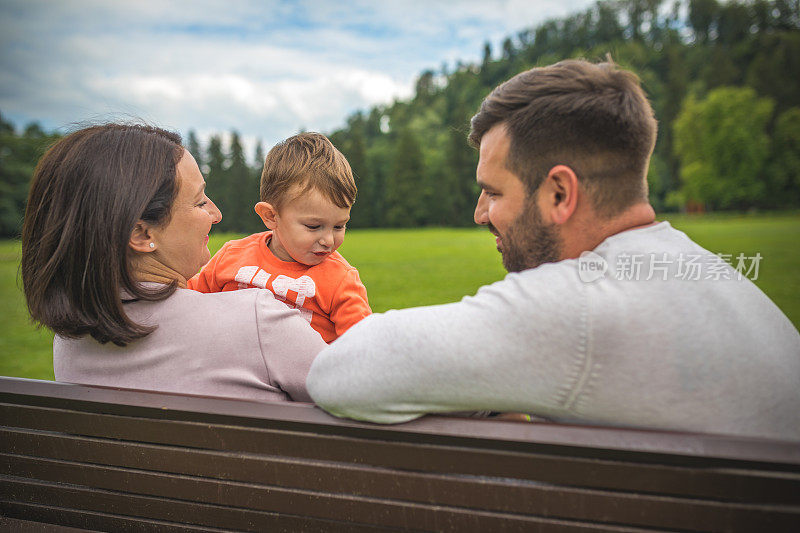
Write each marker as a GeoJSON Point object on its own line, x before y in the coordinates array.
{"type": "Point", "coordinates": [266, 69]}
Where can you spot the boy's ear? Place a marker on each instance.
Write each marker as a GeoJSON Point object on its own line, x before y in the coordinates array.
{"type": "Point", "coordinates": [268, 214]}
{"type": "Point", "coordinates": [141, 238]}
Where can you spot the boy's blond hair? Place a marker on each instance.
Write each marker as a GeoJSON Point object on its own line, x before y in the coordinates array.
{"type": "Point", "coordinates": [304, 162]}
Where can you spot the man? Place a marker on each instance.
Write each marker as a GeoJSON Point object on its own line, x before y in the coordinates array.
{"type": "Point", "coordinates": [607, 317]}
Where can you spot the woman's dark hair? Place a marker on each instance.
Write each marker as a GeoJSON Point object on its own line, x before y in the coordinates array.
{"type": "Point", "coordinates": [88, 192]}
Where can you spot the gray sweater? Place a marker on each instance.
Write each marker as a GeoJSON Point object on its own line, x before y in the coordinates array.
{"type": "Point", "coordinates": [675, 345]}
{"type": "Point", "coordinates": [242, 344]}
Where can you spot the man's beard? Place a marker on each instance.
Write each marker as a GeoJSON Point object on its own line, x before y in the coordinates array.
{"type": "Point", "coordinates": [529, 241]}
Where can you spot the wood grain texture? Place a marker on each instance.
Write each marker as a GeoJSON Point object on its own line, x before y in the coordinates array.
{"type": "Point", "coordinates": [112, 459]}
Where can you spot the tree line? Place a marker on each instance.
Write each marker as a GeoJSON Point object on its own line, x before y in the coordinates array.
{"type": "Point", "coordinates": [722, 78]}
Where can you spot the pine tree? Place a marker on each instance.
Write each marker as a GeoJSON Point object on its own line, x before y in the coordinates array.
{"type": "Point", "coordinates": [193, 145]}
{"type": "Point", "coordinates": [258, 166]}
{"type": "Point", "coordinates": [405, 188]}
{"type": "Point", "coordinates": [216, 177]}
{"type": "Point", "coordinates": [18, 157]}
{"type": "Point", "coordinates": [241, 193]}
{"type": "Point", "coordinates": [355, 150]}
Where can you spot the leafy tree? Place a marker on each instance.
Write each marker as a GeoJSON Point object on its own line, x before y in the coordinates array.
{"type": "Point", "coordinates": [723, 146]}
{"type": "Point", "coordinates": [785, 162]}
{"type": "Point", "coordinates": [702, 18]}
{"type": "Point", "coordinates": [733, 26]}
{"type": "Point", "coordinates": [774, 67]}
{"type": "Point", "coordinates": [788, 14]}
{"type": "Point", "coordinates": [635, 9]}
{"type": "Point", "coordinates": [607, 27]}
{"type": "Point", "coordinates": [425, 87]}
{"type": "Point", "coordinates": [18, 157]}
{"type": "Point", "coordinates": [668, 107]}
{"type": "Point", "coordinates": [6, 127]}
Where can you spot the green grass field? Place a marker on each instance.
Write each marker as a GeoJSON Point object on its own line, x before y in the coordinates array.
{"type": "Point", "coordinates": [406, 268]}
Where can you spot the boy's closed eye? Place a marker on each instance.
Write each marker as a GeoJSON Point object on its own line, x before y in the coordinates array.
{"type": "Point", "coordinates": [337, 227]}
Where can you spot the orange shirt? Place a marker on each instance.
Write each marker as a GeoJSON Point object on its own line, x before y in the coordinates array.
{"type": "Point", "coordinates": [329, 295]}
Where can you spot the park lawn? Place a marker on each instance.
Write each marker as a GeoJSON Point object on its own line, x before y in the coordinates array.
{"type": "Point", "coordinates": [406, 268]}
{"type": "Point", "coordinates": [774, 236]}
{"type": "Point", "coordinates": [25, 351]}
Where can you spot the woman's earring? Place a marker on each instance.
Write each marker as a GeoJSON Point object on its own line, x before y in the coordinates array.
{"type": "Point", "coordinates": [152, 245]}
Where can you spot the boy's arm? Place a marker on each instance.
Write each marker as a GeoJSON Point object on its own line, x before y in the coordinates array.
{"type": "Point", "coordinates": [350, 302]}
{"type": "Point", "coordinates": [206, 279]}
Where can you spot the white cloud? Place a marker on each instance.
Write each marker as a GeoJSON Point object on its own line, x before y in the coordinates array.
{"type": "Point", "coordinates": [266, 69]}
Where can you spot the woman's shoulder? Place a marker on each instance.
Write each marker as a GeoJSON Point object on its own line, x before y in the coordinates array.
{"type": "Point", "coordinates": [252, 301]}
{"type": "Point", "coordinates": [215, 309]}
{"type": "Point", "coordinates": [225, 299]}
{"type": "Point", "coordinates": [214, 317]}
{"type": "Point", "coordinates": [244, 310]}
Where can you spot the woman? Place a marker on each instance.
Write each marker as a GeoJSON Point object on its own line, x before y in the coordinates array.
{"type": "Point", "coordinates": [117, 220]}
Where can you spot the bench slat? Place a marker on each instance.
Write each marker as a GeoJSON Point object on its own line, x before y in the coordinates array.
{"type": "Point", "coordinates": [712, 481]}
{"type": "Point", "coordinates": [122, 460]}
{"type": "Point", "coordinates": [558, 439]}
{"type": "Point", "coordinates": [549, 502]}
{"type": "Point", "coordinates": [357, 512]}
{"type": "Point", "coordinates": [80, 521]}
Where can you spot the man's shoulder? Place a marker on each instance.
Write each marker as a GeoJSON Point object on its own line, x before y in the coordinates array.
{"type": "Point", "coordinates": [548, 286]}
{"type": "Point", "coordinates": [651, 238]}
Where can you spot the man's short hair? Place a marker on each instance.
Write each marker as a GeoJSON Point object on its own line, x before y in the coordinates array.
{"type": "Point", "coordinates": [304, 162]}
{"type": "Point", "coordinates": [593, 118]}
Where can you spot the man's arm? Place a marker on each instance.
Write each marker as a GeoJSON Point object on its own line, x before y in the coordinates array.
{"type": "Point", "coordinates": [501, 350]}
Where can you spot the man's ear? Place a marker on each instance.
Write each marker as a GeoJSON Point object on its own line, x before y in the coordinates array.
{"type": "Point", "coordinates": [141, 238]}
{"type": "Point", "coordinates": [558, 197]}
{"type": "Point", "coordinates": [268, 214]}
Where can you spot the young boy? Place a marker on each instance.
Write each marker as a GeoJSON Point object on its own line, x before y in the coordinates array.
{"type": "Point", "coordinates": [307, 190]}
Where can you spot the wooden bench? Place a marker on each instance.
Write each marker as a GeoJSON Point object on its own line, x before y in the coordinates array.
{"type": "Point", "coordinates": [121, 460]}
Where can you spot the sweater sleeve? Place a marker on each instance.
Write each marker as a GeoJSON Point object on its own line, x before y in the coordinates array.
{"type": "Point", "coordinates": [206, 279]}
{"type": "Point", "coordinates": [288, 345]}
{"type": "Point", "coordinates": [501, 350]}
{"type": "Point", "coordinates": [350, 303]}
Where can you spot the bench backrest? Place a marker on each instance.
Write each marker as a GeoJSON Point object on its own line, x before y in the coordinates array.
{"type": "Point", "coordinates": [121, 460]}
